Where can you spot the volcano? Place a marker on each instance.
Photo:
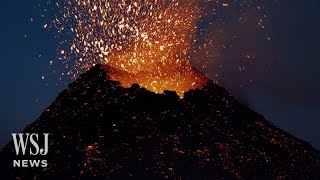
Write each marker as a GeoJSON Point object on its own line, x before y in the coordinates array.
{"type": "Point", "coordinates": [100, 129]}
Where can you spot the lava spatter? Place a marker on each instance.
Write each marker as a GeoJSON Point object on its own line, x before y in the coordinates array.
{"type": "Point", "coordinates": [151, 40]}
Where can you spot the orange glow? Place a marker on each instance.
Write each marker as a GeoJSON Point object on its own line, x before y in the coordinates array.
{"type": "Point", "coordinates": [180, 79]}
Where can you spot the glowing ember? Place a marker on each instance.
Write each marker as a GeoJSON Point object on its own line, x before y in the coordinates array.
{"type": "Point", "coordinates": [151, 41]}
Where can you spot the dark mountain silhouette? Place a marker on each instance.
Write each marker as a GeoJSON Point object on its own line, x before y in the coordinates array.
{"type": "Point", "coordinates": [100, 129]}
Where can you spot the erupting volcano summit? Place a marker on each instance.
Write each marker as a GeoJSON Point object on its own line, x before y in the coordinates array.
{"type": "Point", "coordinates": [153, 42]}
{"type": "Point", "coordinates": [140, 110]}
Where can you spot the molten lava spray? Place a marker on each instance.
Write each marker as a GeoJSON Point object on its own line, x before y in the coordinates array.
{"type": "Point", "coordinates": [149, 41]}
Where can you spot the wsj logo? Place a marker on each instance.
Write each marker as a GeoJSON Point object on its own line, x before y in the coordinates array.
{"type": "Point", "coordinates": [28, 144]}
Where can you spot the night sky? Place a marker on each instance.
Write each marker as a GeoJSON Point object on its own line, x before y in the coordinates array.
{"type": "Point", "coordinates": [286, 73]}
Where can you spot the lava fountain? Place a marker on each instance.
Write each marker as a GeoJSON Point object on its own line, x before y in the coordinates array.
{"type": "Point", "coordinates": [147, 40]}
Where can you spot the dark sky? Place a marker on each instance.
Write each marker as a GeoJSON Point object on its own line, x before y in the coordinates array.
{"type": "Point", "coordinates": [289, 95]}
{"type": "Point", "coordinates": [286, 72]}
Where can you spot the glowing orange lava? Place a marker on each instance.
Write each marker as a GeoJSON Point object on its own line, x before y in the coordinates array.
{"type": "Point", "coordinates": [180, 79]}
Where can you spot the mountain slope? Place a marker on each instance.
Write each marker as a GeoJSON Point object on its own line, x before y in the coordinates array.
{"type": "Point", "coordinates": [100, 129]}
